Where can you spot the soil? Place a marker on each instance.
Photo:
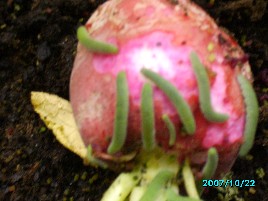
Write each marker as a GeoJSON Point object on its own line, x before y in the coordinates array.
{"type": "Point", "coordinates": [37, 49]}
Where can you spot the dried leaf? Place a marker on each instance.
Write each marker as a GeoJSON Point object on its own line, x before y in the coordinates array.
{"type": "Point", "coordinates": [57, 114]}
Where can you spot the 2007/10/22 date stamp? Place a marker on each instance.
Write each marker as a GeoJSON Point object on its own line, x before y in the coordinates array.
{"type": "Point", "coordinates": [229, 182]}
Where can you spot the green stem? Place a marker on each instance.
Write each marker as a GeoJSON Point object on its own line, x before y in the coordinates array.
{"type": "Point", "coordinates": [189, 181]}
{"type": "Point", "coordinates": [156, 185]}
{"type": "Point", "coordinates": [90, 159]}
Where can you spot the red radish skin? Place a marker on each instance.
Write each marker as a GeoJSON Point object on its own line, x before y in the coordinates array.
{"type": "Point", "coordinates": [159, 35]}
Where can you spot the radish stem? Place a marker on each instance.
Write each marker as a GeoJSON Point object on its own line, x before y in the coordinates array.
{"type": "Point", "coordinates": [156, 185]}
{"type": "Point", "coordinates": [92, 160]}
{"type": "Point", "coordinates": [189, 181]}
{"type": "Point", "coordinates": [121, 187]}
{"type": "Point", "coordinates": [155, 170]}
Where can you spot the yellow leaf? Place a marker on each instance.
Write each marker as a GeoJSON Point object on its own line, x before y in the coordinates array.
{"type": "Point", "coordinates": [57, 114]}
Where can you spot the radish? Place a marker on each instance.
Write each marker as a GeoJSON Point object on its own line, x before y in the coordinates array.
{"type": "Point", "coordinates": [161, 74]}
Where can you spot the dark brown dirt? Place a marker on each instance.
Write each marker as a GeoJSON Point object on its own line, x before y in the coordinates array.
{"type": "Point", "coordinates": [37, 48]}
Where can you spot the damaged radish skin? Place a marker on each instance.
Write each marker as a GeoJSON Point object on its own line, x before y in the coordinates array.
{"type": "Point", "coordinates": [160, 36]}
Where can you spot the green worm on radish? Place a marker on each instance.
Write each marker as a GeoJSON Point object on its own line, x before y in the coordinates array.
{"type": "Point", "coordinates": [252, 111]}
{"type": "Point", "coordinates": [171, 128]}
{"type": "Point", "coordinates": [147, 117]}
{"type": "Point", "coordinates": [209, 168]}
{"type": "Point", "coordinates": [175, 97]}
{"type": "Point", "coordinates": [211, 164]}
{"type": "Point", "coordinates": [94, 45]}
{"type": "Point", "coordinates": [121, 115]}
{"type": "Point", "coordinates": [204, 93]}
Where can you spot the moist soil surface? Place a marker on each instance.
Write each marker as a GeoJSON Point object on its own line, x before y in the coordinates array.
{"type": "Point", "coordinates": [37, 49]}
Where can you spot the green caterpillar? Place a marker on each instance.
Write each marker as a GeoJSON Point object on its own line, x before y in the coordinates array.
{"type": "Point", "coordinates": [93, 45]}
{"type": "Point", "coordinates": [182, 107]}
{"type": "Point", "coordinates": [252, 114]}
{"type": "Point", "coordinates": [204, 93]}
{"type": "Point", "coordinates": [121, 115]}
{"type": "Point", "coordinates": [147, 117]}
